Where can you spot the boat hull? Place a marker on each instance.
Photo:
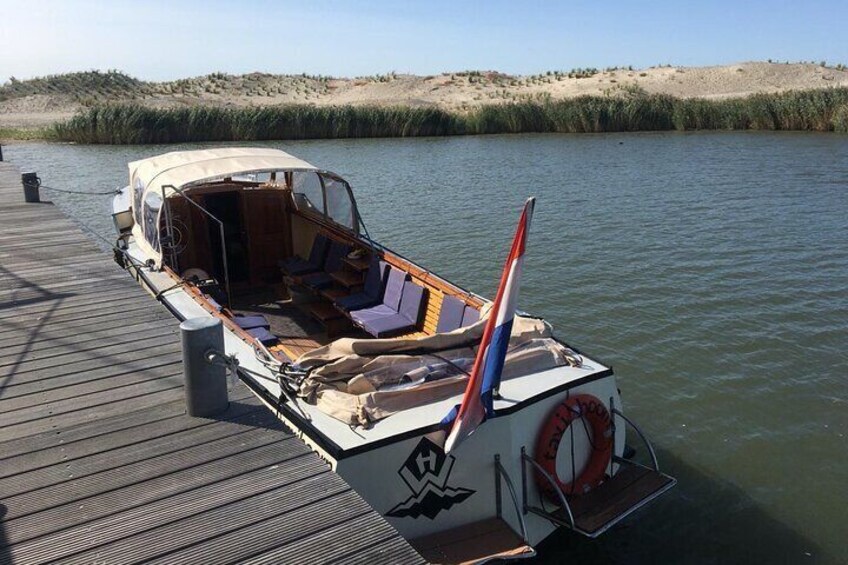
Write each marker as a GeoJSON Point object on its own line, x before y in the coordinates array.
{"type": "Point", "coordinates": [421, 491]}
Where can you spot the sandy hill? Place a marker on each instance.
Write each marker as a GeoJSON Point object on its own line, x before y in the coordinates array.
{"type": "Point", "coordinates": [40, 101]}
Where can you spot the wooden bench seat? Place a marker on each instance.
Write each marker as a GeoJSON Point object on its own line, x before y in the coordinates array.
{"type": "Point", "coordinates": [330, 317]}
{"type": "Point", "coordinates": [359, 264]}
{"type": "Point", "coordinates": [347, 279]}
{"type": "Point", "coordinates": [323, 311]}
{"type": "Point", "coordinates": [333, 294]}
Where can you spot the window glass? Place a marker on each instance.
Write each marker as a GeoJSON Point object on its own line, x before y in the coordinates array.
{"type": "Point", "coordinates": [308, 194]}
{"type": "Point", "coordinates": [152, 205]}
{"type": "Point", "coordinates": [339, 204]}
{"type": "Point", "coordinates": [253, 177]}
{"type": "Point", "coordinates": [138, 192]}
{"type": "Point", "coordinates": [261, 178]}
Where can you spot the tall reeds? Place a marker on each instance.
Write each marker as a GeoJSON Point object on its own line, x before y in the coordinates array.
{"type": "Point", "coordinates": [812, 110]}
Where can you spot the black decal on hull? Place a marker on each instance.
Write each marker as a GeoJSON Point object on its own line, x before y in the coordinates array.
{"type": "Point", "coordinates": [426, 472]}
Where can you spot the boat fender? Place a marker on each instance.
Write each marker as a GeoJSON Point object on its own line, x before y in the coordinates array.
{"type": "Point", "coordinates": [566, 413]}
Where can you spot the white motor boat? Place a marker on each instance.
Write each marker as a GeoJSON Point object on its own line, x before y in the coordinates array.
{"type": "Point", "coordinates": [363, 353]}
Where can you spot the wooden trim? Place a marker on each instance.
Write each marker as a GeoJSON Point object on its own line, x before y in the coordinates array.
{"type": "Point", "coordinates": [201, 299]}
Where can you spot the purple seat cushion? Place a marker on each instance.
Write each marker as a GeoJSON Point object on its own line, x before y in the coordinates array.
{"type": "Point", "coordinates": [387, 325]}
{"type": "Point", "coordinates": [411, 302]}
{"type": "Point", "coordinates": [251, 322]}
{"type": "Point", "coordinates": [367, 315]}
{"type": "Point", "coordinates": [381, 320]}
{"type": "Point", "coordinates": [470, 316]}
{"type": "Point", "coordinates": [374, 279]}
{"type": "Point", "coordinates": [299, 266]}
{"type": "Point", "coordinates": [394, 288]}
{"type": "Point", "coordinates": [335, 258]}
{"type": "Point", "coordinates": [370, 295]}
{"type": "Point", "coordinates": [450, 315]}
{"type": "Point", "coordinates": [263, 335]}
{"type": "Point", "coordinates": [334, 262]}
{"type": "Point", "coordinates": [319, 249]}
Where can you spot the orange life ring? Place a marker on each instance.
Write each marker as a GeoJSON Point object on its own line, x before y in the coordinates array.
{"type": "Point", "coordinates": [547, 444]}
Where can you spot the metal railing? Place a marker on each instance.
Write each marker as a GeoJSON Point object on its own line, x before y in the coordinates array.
{"type": "Point", "coordinates": [502, 475]}
{"type": "Point", "coordinates": [616, 412]}
{"type": "Point", "coordinates": [558, 491]}
{"type": "Point", "coordinates": [220, 230]}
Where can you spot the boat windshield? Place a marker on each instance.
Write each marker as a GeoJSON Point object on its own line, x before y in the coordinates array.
{"type": "Point", "coordinates": [327, 195]}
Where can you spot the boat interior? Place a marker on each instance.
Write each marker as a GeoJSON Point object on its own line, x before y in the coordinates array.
{"type": "Point", "coordinates": [280, 258]}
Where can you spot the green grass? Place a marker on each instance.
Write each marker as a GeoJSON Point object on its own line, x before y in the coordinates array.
{"type": "Point", "coordinates": [26, 134]}
{"type": "Point", "coordinates": [131, 124]}
{"type": "Point", "coordinates": [627, 110]}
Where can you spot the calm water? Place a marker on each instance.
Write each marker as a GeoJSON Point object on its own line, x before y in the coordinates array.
{"type": "Point", "coordinates": [711, 270]}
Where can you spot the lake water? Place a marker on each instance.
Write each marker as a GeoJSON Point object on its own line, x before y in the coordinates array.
{"type": "Point", "coordinates": [710, 269]}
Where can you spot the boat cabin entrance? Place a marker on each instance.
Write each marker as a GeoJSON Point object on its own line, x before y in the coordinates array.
{"type": "Point", "coordinates": [227, 207]}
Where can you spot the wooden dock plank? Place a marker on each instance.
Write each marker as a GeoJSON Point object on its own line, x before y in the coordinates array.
{"type": "Point", "coordinates": [98, 460]}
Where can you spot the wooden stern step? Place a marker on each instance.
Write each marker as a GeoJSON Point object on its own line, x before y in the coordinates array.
{"type": "Point", "coordinates": [631, 488]}
{"type": "Point", "coordinates": [491, 539]}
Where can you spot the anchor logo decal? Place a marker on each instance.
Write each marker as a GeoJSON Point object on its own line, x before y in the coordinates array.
{"type": "Point", "coordinates": [426, 472]}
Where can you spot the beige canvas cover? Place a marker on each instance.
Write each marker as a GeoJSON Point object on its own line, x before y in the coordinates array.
{"type": "Point", "coordinates": [359, 381]}
{"type": "Point", "coordinates": [184, 168]}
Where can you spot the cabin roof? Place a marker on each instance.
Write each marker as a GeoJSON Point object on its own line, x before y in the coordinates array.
{"type": "Point", "coordinates": [181, 168]}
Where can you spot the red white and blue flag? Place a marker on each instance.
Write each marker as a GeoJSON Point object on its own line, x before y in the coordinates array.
{"type": "Point", "coordinates": [478, 402]}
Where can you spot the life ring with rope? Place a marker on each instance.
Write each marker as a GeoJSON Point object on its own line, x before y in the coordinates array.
{"type": "Point", "coordinates": [571, 410]}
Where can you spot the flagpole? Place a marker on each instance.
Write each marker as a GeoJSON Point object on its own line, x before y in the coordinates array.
{"type": "Point", "coordinates": [471, 411]}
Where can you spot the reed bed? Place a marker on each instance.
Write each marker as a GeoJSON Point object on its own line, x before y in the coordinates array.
{"type": "Point", "coordinates": [813, 110]}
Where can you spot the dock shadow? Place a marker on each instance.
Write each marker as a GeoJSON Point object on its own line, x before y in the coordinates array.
{"type": "Point", "coordinates": [250, 414]}
{"type": "Point", "coordinates": [703, 519]}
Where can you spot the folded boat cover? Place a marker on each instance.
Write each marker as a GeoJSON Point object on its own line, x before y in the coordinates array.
{"type": "Point", "coordinates": [360, 381]}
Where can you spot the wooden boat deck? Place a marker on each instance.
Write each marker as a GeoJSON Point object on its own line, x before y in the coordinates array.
{"type": "Point", "coordinates": [99, 463]}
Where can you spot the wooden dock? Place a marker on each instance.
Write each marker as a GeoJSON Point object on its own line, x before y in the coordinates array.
{"type": "Point", "coordinates": [98, 461]}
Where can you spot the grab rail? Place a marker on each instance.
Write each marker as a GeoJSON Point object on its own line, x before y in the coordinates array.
{"type": "Point", "coordinates": [550, 479]}
{"type": "Point", "coordinates": [500, 473]}
{"type": "Point", "coordinates": [641, 435]}
{"type": "Point", "coordinates": [220, 231]}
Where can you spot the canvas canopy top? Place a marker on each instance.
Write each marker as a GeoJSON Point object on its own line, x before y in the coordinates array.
{"type": "Point", "coordinates": [181, 168]}
{"type": "Point", "coordinates": [156, 178]}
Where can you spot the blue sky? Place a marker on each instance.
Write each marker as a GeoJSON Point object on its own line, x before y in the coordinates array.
{"type": "Point", "coordinates": [159, 40]}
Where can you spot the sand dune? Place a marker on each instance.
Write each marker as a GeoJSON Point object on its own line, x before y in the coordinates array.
{"type": "Point", "coordinates": [455, 91]}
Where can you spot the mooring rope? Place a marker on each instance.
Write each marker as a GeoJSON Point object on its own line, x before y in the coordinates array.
{"type": "Point", "coordinates": [232, 364]}
{"type": "Point", "coordinates": [66, 191]}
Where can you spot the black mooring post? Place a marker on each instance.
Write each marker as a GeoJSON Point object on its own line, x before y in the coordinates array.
{"type": "Point", "coordinates": [31, 183]}
{"type": "Point", "coordinates": [205, 380]}
{"type": "Point", "coordinates": [1, 153]}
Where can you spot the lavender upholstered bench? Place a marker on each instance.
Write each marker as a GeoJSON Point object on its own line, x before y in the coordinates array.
{"type": "Point", "coordinates": [371, 292]}
{"type": "Point", "coordinates": [263, 335]}
{"type": "Point", "coordinates": [450, 314]}
{"type": "Point", "coordinates": [335, 259]}
{"type": "Point", "coordinates": [296, 266]}
{"type": "Point", "coordinates": [382, 320]}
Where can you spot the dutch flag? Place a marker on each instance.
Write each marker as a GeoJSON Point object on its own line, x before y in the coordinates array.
{"type": "Point", "coordinates": [477, 402]}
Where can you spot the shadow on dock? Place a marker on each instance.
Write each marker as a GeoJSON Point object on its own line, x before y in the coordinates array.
{"type": "Point", "coordinates": [20, 285]}
{"type": "Point", "coordinates": [703, 519]}
{"type": "Point", "coordinates": [248, 414]}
